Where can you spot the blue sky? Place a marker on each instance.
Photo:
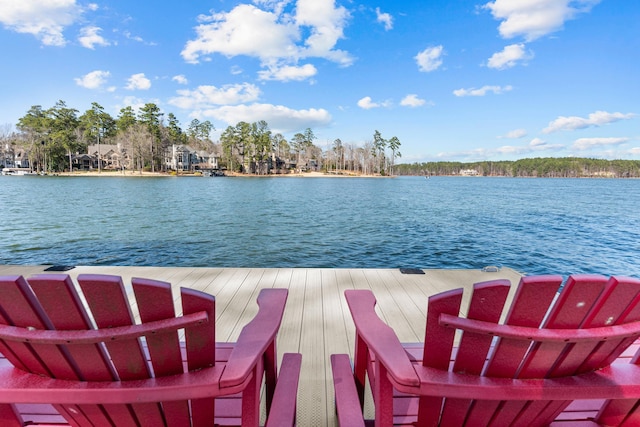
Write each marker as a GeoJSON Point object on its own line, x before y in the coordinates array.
{"type": "Point", "coordinates": [453, 80]}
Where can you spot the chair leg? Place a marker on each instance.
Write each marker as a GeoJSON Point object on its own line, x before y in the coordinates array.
{"type": "Point", "coordinates": [251, 398]}
{"type": "Point", "coordinates": [10, 416]}
{"type": "Point", "coordinates": [383, 397]}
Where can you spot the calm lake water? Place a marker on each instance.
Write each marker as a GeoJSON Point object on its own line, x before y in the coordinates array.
{"type": "Point", "coordinates": [535, 226]}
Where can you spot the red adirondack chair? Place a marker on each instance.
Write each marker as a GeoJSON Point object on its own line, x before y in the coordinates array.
{"type": "Point", "coordinates": [80, 352]}
{"type": "Point", "coordinates": [556, 358]}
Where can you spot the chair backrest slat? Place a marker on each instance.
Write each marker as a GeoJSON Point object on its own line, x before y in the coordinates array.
{"type": "Point", "coordinates": [155, 302]}
{"type": "Point", "coordinates": [200, 347]}
{"type": "Point", "coordinates": [21, 308]}
{"type": "Point", "coordinates": [614, 301]}
{"type": "Point", "coordinates": [487, 303]}
{"type": "Point", "coordinates": [438, 348]}
{"type": "Point", "coordinates": [59, 299]}
{"type": "Point", "coordinates": [109, 306]}
{"type": "Point", "coordinates": [570, 310]}
{"type": "Point", "coordinates": [529, 306]}
{"type": "Point", "coordinates": [107, 299]}
{"type": "Point", "coordinates": [574, 306]}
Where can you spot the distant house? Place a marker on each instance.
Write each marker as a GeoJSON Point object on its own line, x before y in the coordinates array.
{"type": "Point", "coordinates": [185, 158]}
{"type": "Point", "coordinates": [111, 156]}
{"type": "Point", "coordinates": [21, 159]}
{"type": "Point", "coordinates": [469, 172]}
{"type": "Point", "coordinates": [82, 162]}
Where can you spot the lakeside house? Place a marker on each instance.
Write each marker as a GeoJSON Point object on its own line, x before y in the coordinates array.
{"type": "Point", "coordinates": [185, 158]}
{"type": "Point", "coordinates": [14, 158]}
{"type": "Point", "coordinates": [115, 157]}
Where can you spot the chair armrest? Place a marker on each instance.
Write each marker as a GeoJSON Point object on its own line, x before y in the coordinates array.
{"type": "Point", "coordinates": [347, 401]}
{"type": "Point", "coordinates": [380, 338]}
{"type": "Point", "coordinates": [17, 386]}
{"type": "Point", "coordinates": [283, 407]}
{"type": "Point", "coordinates": [256, 337]}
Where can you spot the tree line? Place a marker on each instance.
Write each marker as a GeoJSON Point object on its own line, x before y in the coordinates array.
{"type": "Point", "coordinates": [550, 167]}
{"type": "Point", "coordinates": [51, 137]}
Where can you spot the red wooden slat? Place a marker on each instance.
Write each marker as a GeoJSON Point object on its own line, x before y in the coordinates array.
{"type": "Point", "coordinates": [155, 302]}
{"type": "Point", "coordinates": [486, 304]}
{"type": "Point", "coordinates": [438, 343]}
{"type": "Point", "coordinates": [107, 299]}
{"type": "Point", "coordinates": [530, 304]}
{"type": "Point", "coordinates": [58, 297]}
{"type": "Point", "coordinates": [528, 308]}
{"type": "Point", "coordinates": [6, 351]}
{"type": "Point", "coordinates": [109, 305]}
{"type": "Point", "coordinates": [283, 409]}
{"type": "Point", "coordinates": [608, 310]}
{"type": "Point", "coordinates": [200, 347]}
{"type": "Point", "coordinates": [577, 302]}
{"type": "Point", "coordinates": [346, 395]}
{"type": "Point", "coordinates": [21, 308]}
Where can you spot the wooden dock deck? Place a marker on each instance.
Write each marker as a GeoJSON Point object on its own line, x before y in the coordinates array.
{"type": "Point", "coordinates": [316, 322]}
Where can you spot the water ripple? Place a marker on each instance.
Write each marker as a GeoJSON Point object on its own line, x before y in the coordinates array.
{"type": "Point", "coordinates": [535, 226]}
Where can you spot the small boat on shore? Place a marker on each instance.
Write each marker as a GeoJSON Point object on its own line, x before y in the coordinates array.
{"type": "Point", "coordinates": [17, 171]}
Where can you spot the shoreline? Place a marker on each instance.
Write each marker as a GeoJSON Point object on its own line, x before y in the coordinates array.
{"type": "Point", "coordinates": [138, 174]}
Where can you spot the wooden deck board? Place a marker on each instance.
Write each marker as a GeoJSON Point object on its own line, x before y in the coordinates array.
{"type": "Point", "coordinates": [316, 321]}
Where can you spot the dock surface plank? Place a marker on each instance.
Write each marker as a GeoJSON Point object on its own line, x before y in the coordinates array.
{"type": "Point", "coordinates": [316, 321]}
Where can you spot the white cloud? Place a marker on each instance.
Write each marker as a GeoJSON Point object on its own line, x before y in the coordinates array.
{"type": "Point", "coordinates": [582, 144]}
{"type": "Point", "coordinates": [509, 57]}
{"type": "Point", "coordinates": [515, 134]}
{"type": "Point", "coordinates": [89, 37]}
{"type": "Point", "coordinates": [246, 30]}
{"type": "Point", "coordinates": [430, 59]}
{"type": "Point", "coordinates": [536, 145]}
{"type": "Point", "coordinates": [272, 36]}
{"type": "Point", "coordinates": [599, 118]}
{"type": "Point", "coordinates": [533, 19]}
{"type": "Point", "coordinates": [45, 19]}
{"type": "Point", "coordinates": [367, 103]}
{"type": "Point", "coordinates": [180, 79]}
{"type": "Point", "coordinates": [327, 23]}
{"type": "Point", "coordinates": [412, 100]}
{"type": "Point", "coordinates": [482, 91]}
{"type": "Point", "coordinates": [280, 118]}
{"type": "Point", "coordinates": [138, 82]}
{"type": "Point", "coordinates": [384, 18]}
{"type": "Point", "coordinates": [93, 80]}
{"type": "Point", "coordinates": [209, 96]}
{"type": "Point", "coordinates": [288, 73]}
